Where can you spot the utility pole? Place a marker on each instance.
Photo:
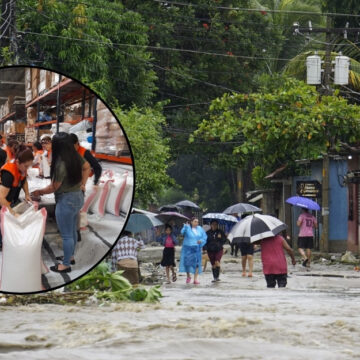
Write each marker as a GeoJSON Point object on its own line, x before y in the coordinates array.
{"type": "Point", "coordinates": [324, 241]}
{"type": "Point", "coordinates": [325, 91]}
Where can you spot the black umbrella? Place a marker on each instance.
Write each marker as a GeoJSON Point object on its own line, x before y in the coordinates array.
{"type": "Point", "coordinates": [169, 207]}
{"type": "Point", "coordinates": [241, 208]}
{"type": "Point", "coordinates": [254, 228]}
{"type": "Point", "coordinates": [188, 204]}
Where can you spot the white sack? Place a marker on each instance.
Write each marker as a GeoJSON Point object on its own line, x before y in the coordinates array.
{"type": "Point", "coordinates": [117, 188]}
{"type": "Point", "coordinates": [125, 202]}
{"type": "Point", "coordinates": [22, 240]}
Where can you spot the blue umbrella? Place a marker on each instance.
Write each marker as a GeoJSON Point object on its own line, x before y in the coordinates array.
{"type": "Point", "coordinates": [303, 202]}
{"type": "Point", "coordinates": [141, 222]}
{"type": "Point", "coordinates": [221, 218]}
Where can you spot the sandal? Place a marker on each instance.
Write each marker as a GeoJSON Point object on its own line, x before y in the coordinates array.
{"type": "Point", "coordinates": [243, 274]}
{"type": "Point", "coordinates": [174, 278]}
{"type": "Point", "coordinates": [305, 262]}
{"type": "Point", "coordinates": [61, 258]}
{"type": "Point", "coordinates": [188, 280]}
{"type": "Point", "coordinates": [55, 268]}
{"type": "Point", "coordinates": [250, 275]}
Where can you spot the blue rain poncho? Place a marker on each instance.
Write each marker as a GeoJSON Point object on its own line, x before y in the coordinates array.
{"type": "Point", "coordinates": [190, 257]}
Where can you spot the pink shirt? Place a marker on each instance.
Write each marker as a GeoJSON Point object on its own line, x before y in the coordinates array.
{"type": "Point", "coordinates": [272, 256]}
{"type": "Point", "coordinates": [308, 222]}
{"type": "Point", "coordinates": [169, 242]}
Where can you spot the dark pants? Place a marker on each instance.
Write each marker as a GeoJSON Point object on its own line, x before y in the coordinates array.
{"type": "Point", "coordinates": [234, 249]}
{"type": "Point", "coordinates": [271, 280]}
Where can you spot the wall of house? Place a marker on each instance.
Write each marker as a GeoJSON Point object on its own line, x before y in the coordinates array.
{"type": "Point", "coordinates": [353, 222]}
{"type": "Point", "coordinates": [338, 204]}
{"type": "Point", "coordinates": [338, 207]}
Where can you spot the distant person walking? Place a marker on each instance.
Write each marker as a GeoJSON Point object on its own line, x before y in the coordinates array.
{"type": "Point", "coordinates": [190, 259]}
{"type": "Point", "coordinates": [168, 240]}
{"type": "Point", "coordinates": [214, 247]}
{"type": "Point", "coordinates": [274, 260]}
{"type": "Point", "coordinates": [307, 223]}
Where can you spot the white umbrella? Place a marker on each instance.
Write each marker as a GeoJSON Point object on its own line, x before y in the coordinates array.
{"type": "Point", "coordinates": [255, 227]}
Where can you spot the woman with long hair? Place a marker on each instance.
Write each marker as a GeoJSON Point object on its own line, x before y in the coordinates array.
{"type": "Point", "coordinates": [69, 173]}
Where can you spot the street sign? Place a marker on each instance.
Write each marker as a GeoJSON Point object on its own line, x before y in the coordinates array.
{"type": "Point", "coordinates": [310, 189]}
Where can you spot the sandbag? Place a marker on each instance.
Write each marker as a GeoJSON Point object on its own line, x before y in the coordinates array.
{"type": "Point", "coordinates": [21, 257]}
{"type": "Point", "coordinates": [117, 188]}
{"type": "Point", "coordinates": [125, 202]}
{"type": "Point", "coordinates": [98, 205]}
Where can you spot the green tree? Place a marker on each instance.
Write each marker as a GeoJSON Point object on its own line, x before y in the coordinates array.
{"type": "Point", "coordinates": [83, 40]}
{"type": "Point", "coordinates": [150, 149]}
{"type": "Point", "coordinates": [285, 121]}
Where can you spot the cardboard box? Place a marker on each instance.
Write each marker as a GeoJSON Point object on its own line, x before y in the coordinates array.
{"type": "Point", "coordinates": [54, 79]}
{"type": "Point", "coordinates": [30, 135]}
{"type": "Point", "coordinates": [42, 82]}
{"type": "Point", "coordinates": [28, 79]}
{"type": "Point", "coordinates": [28, 95]}
{"type": "Point", "coordinates": [34, 82]}
{"type": "Point", "coordinates": [48, 79]}
{"type": "Point", "coordinates": [31, 115]}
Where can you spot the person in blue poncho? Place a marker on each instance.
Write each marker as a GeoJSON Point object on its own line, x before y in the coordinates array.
{"type": "Point", "coordinates": [190, 258]}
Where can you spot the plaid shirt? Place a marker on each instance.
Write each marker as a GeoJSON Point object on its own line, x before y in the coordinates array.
{"type": "Point", "coordinates": [125, 248]}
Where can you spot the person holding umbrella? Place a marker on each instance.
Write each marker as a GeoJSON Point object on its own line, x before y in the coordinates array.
{"type": "Point", "coordinates": [274, 261]}
{"type": "Point", "coordinates": [307, 223]}
{"type": "Point", "coordinates": [168, 240]}
{"type": "Point", "coordinates": [190, 258]}
{"type": "Point", "coordinates": [214, 247]}
{"type": "Point", "coordinates": [265, 229]}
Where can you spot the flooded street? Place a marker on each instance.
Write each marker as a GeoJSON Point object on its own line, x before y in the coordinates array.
{"type": "Point", "coordinates": [315, 317]}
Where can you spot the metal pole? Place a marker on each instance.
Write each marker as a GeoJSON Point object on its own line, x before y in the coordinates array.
{"type": "Point", "coordinates": [58, 107]}
{"type": "Point", "coordinates": [37, 120]}
{"type": "Point", "coordinates": [83, 105]}
{"type": "Point", "coordinates": [327, 70]}
{"type": "Point", "coordinates": [93, 145]}
{"type": "Point", "coordinates": [324, 242]}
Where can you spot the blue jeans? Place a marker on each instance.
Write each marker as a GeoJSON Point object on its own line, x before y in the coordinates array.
{"type": "Point", "coordinates": [67, 210]}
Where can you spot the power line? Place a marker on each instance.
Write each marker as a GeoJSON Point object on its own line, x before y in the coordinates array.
{"type": "Point", "coordinates": [263, 10]}
{"type": "Point", "coordinates": [159, 48]}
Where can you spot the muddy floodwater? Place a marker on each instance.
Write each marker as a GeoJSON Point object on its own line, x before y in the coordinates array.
{"type": "Point", "coordinates": [315, 317]}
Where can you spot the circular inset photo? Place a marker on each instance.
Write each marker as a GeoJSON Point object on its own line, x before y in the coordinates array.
{"type": "Point", "coordinates": [67, 179]}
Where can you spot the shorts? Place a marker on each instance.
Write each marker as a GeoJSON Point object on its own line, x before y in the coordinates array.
{"type": "Point", "coordinates": [271, 280]}
{"type": "Point", "coordinates": [305, 242]}
{"type": "Point", "coordinates": [246, 249]}
{"type": "Point", "coordinates": [215, 256]}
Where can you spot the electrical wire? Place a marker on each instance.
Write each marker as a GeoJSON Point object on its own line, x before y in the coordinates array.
{"type": "Point", "coordinates": [263, 10]}
{"type": "Point", "coordinates": [324, 42]}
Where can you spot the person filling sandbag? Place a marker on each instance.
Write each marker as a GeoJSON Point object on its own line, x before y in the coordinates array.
{"type": "Point", "coordinates": [13, 179]}
{"type": "Point", "coordinates": [69, 173]}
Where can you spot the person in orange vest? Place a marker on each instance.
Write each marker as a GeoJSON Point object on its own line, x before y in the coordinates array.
{"type": "Point", "coordinates": [86, 154]}
{"type": "Point", "coordinates": [37, 152]}
{"type": "Point", "coordinates": [13, 179]}
{"type": "Point", "coordinates": [10, 149]}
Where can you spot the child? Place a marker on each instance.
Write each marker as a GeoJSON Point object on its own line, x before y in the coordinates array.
{"type": "Point", "coordinates": [168, 260]}
{"type": "Point", "coordinates": [274, 261]}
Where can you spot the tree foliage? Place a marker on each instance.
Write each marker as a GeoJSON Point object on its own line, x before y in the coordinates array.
{"type": "Point", "coordinates": [285, 121]}
{"type": "Point", "coordinates": [83, 40]}
{"type": "Point", "coordinates": [150, 149]}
